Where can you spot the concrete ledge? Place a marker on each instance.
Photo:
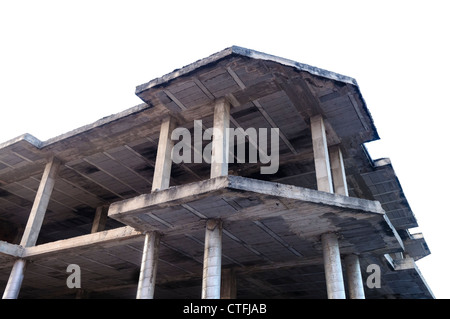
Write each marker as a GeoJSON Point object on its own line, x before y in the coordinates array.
{"type": "Point", "coordinates": [238, 201]}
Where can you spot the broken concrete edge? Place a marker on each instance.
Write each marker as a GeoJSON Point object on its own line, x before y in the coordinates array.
{"type": "Point", "coordinates": [246, 53]}
{"type": "Point", "coordinates": [108, 237]}
{"type": "Point", "coordinates": [385, 163]}
{"type": "Point", "coordinates": [409, 264]}
{"type": "Point", "coordinates": [38, 144]}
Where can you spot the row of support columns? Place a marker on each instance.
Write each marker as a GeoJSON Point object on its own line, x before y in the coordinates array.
{"type": "Point", "coordinates": [330, 176]}
{"type": "Point", "coordinates": [212, 261]}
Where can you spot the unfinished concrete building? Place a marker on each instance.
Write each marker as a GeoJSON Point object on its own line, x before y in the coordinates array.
{"type": "Point", "coordinates": [108, 203]}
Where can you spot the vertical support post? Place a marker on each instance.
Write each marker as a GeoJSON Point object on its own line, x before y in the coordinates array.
{"type": "Point", "coordinates": [354, 278]}
{"type": "Point", "coordinates": [220, 143]}
{"type": "Point", "coordinates": [33, 226]}
{"type": "Point", "coordinates": [40, 204]}
{"type": "Point", "coordinates": [338, 171]}
{"type": "Point", "coordinates": [212, 260]}
{"type": "Point", "coordinates": [147, 275]}
{"type": "Point", "coordinates": [228, 284]}
{"type": "Point", "coordinates": [333, 267]}
{"type": "Point", "coordinates": [163, 164]}
{"type": "Point", "coordinates": [161, 180]}
{"type": "Point", "coordinates": [321, 159]}
{"type": "Point", "coordinates": [15, 280]}
{"type": "Point", "coordinates": [99, 223]}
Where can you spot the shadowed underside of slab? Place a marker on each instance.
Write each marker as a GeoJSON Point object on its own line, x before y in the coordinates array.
{"type": "Point", "coordinates": [281, 211]}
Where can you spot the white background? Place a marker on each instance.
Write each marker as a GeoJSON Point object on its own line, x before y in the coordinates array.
{"type": "Point", "coordinates": [64, 64]}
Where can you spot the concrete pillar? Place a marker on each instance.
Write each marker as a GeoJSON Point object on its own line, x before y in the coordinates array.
{"type": "Point", "coordinates": [354, 278]}
{"type": "Point", "coordinates": [338, 171]}
{"type": "Point", "coordinates": [33, 226]}
{"type": "Point", "coordinates": [40, 204]}
{"type": "Point", "coordinates": [15, 280]}
{"type": "Point", "coordinates": [228, 284]}
{"type": "Point", "coordinates": [147, 275]}
{"type": "Point", "coordinates": [333, 267]}
{"type": "Point", "coordinates": [163, 164]}
{"type": "Point", "coordinates": [321, 158]}
{"type": "Point", "coordinates": [220, 143]}
{"type": "Point", "coordinates": [212, 260]}
{"type": "Point", "coordinates": [99, 223]}
{"type": "Point", "coordinates": [161, 180]}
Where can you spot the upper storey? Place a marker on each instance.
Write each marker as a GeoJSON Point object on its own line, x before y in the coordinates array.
{"type": "Point", "coordinates": [114, 158]}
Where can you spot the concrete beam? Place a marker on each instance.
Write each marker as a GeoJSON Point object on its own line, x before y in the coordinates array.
{"type": "Point", "coordinates": [163, 164]}
{"type": "Point", "coordinates": [212, 260]}
{"type": "Point", "coordinates": [104, 238]}
{"type": "Point", "coordinates": [321, 158]}
{"type": "Point", "coordinates": [338, 171]}
{"type": "Point", "coordinates": [12, 250]}
{"type": "Point", "coordinates": [354, 278]}
{"type": "Point", "coordinates": [220, 143]}
{"type": "Point", "coordinates": [333, 267]}
{"type": "Point", "coordinates": [147, 275]}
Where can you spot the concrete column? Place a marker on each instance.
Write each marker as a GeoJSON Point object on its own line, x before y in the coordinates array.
{"type": "Point", "coordinates": [228, 284]}
{"type": "Point", "coordinates": [33, 226]}
{"type": "Point", "coordinates": [212, 260]}
{"type": "Point", "coordinates": [99, 223]}
{"type": "Point", "coordinates": [321, 159]}
{"type": "Point", "coordinates": [40, 204]}
{"type": "Point", "coordinates": [333, 268]}
{"type": "Point", "coordinates": [161, 180]}
{"type": "Point", "coordinates": [163, 164]}
{"type": "Point", "coordinates": [15, 280]}
{"type": "Point", "coordinates": [338, 171]}
{"type": "Point", "coordinates": [220, 143]}
{"type": "Point", "coordinates": [147, 276]}
{"type": "Point", "coordinates": [354, 278]}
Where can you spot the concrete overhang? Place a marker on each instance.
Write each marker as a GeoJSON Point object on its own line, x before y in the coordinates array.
{"type": "Point", "coordinates": [283, 211]}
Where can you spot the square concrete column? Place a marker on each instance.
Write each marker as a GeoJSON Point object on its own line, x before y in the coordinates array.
{"type": "Point", "coordinates": [220, 143]}
{"type": "Point", "coordinates": [212, 260]}
{"type": "Point", "coordinates": [161, 180]}
{"type": "Point", "coordinates": [354, 278]}
{"type": "Point", "coordinates": [147, 275]}
{"type": "Point", "coordinates": [99, 223]}
{"type": "Point", "coordinates": [321, 158]}
{"type": "Point", "coordinates": [163, 164]}
{"type": "Point", "coordinates": [333, 267]}
{"type": "Point", "coordinates": [40, 203]}
{"type": "Point", "coordinates": [338, 171]}
{"type": "Point", "coordinates": [33, 227]}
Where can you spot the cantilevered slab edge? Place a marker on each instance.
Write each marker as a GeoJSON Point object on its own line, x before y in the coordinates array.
{"type": "Point", "coordinates": [179, 194]}
{"type": "Point", "coordinates": [246, 53]}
